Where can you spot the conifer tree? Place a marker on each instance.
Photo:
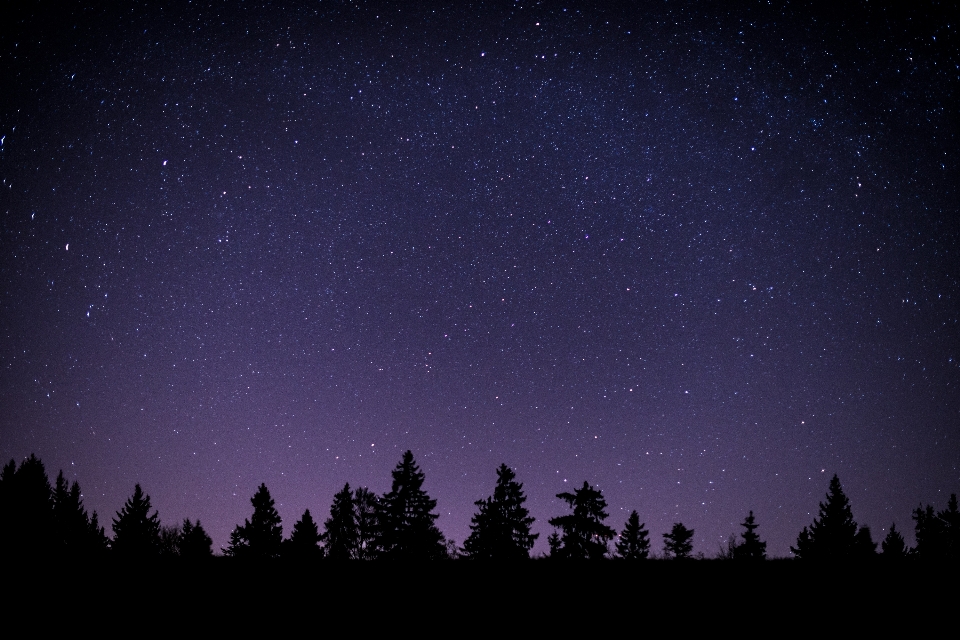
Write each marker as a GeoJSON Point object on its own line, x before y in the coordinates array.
{"type": "Point", "coordinates": [500, 530]}
{"type": "Point", "coordinates": [365, 508]}
{"type": "Point", "coordinates": [340, 529]}
{"type": "Point", "coordinates": [634, 540]}
{"type": "Point", "coordinates": [194, 541]}
{"type": "Point", "coordinates": [752, 548]}
{"type": "Point", "coordinates": [259, 537]}
{"type": "Point", "coordinates": [555, 546]}
{"type": "Point", "coordinates": [678, 543]}
{"type": "Point", "coordinates": [938, 533]}
{"type": "Point", "coordinates": [833, 535]}
{"type": "Point", "coordinates": [27, 523]}
{"type": "Point", "coordinates": [304, 541]}
{"type": "Point", "coordinates": [406, 521]}
{"type": "Point", "coordinates": [136, 533]}
{"type": "Point", "coordinates": [584, 534]}
{"type": "Point", "coordinates": [893, 545]}
{"type": "Point", "coordinates": [76, 535]}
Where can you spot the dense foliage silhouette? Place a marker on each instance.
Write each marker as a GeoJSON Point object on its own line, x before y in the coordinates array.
{"type": "Point", "coordinates": [194, 541]}
{"type": "Point", "coordinates": [678, 544]}
{"type": "Point", "coordinates": [405, 518]}
{"type": "Point", "coordinates": [893, 546]}
{"type": "Point", "coordinates": [260, 536]}
{"type": "Point", "coordinates": [752, 548]}
{"type": "Point", "coordinates": [40, 520]}
{"type": "Point", "coordinates": [583, 536]}
{"type": "Point", "coordinates": [340, 529]}
{"type": "Point", "coordinates": [500, 529]}
{"type": "Point", "coordinates": [834, 534]}
{"type": "Point", "coordinates": [78, 535]}
{"type": "Point", "coordinates": [634, 540]}
{"type": "Point", "coordinates": [938, 533]}
{"type": "Point", "coordinates": [136, 533]}
{"type": "Point", "coordinates": [304, 540]}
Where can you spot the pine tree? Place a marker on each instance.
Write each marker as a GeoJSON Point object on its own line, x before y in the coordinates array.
{"type": "Point", "coordinates": [304, 541]}
{"type": "Point", "coordinates": [500, 530]}
{"type": "Point", "coordinates": [678, 543]}
{"type": "Point", "coordinates": [27, 523]}
{"type": "Point", "coordinates": [340, 529]}
{"type": "Point", "coordinates": [893, 546]}
{"type": "Point", "coordinates": [136, 533]}
{"type": "Point", "coordinates": [555, 546]}
{"type": "Point", "coordinates": [938, 533]}
{"type": "Point", "coordinates": [950, 519]}
{"type": "Point", "coordinates": [72, 522]}
{"type": "Point", "coordinates": [833, 535]}
{"type": "Point", "coordinates": [634, 540]}
{"type": "Point", "coordinates": [365, 505]}
{"type": "Point", "coordinates": [752, 548]}
{"type": "Point", "coordinates": [261, 536]}
{"type": "Point", "coordinates": [194, 541]}
{"type": "Point", "coordinates": [407, 528]}
{"type": "Point", "coordinates": [584, 534]}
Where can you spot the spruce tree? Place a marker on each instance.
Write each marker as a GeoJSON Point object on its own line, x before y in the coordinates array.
{"type": "Point", "coordinates": [136, 533]}
{"type": "Point", "coordinates": [678, 543]}
{"type": "Point", "coordinates": [27, 523]}
{"type": "Point", "coordinates": [500, 530]}
{"type": "Point", "coordinates": [833, 535]}
{"type": "Point", "coordinates": [74, 536]}
{"type": "Point", "coordinates": [752, 548]}
{"type": "Point", "coordinates": [365, 504]}
{"type": "Point", "coordinates": [893, 545]}
{"type": "Point", "coordinates": [938, 533]}
{"type": "Point", "coordinates": [634, 540]}
{"type": "Point", "coordinates": [584, 534]}
{"type": "Point", "coordinates": [340, 529]}
{"type": "Point", "coordinates": [304, 541]}
{"type": "Point", "coordinates": [259, 537]}
{"type": "Point", "coordinates": [194, 541]}
{"type": "Point", "coordinates": [406, 521]}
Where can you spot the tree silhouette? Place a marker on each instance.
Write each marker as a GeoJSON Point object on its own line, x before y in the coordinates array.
{"type": "Point", "coordinates": [304, 541]}
{"type": "Point", "coordinates": [500, 530]}
{"type": "Point", "coordinates": [77, 535]}
{"type": "Point", "coordinates": [170, 541]}
{"type": "Point", "coordinates": [27, 523]}
{"type": "Point", "coordinates": [893, 546]}
{"type": "Point", "coordinates": [863, 544]}
{"type": "Point", "coordinates": [938, 534]}
{"type": "Point", "coordinates": [340, 529]}
{"type": "Point", "coordinates": [406, 519]}
{"type": "Point", "coordinates": [634, 540]}
{"type": "Point", "coordinates": [678, 543]}
{"type": "Point", "coordinates": [136, 533]}
{"type": "Point", "coordinates": [584, 534]}
{"type": "Point", "coordinates": [950, 517]}
{"type": "Point", "coordinates": [752, 548]}
{"type": "Point", "coordinates": [194, 541]}
{"type": "Point", "coordinates": [833, 535]}
{"type": "Point", "coordinates": [260, 536]}
{"type": "Point", "coordinates": [553, 542]}
{"type": "Point", "coordinates": [365, 505]}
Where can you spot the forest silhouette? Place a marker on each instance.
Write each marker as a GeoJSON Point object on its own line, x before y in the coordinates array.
{"type": "Point", "coordinates": [40, 520]}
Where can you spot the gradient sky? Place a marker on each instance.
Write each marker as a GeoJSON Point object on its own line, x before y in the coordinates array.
{"type": "Point", "coordinates": [701, 258]}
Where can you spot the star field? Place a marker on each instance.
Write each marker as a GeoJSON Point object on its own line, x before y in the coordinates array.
{"type": "Point", "coordinates": [701, 258]}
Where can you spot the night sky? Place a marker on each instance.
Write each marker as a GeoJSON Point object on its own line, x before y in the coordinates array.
{"type": "Point", "coordinates": [700, 257]}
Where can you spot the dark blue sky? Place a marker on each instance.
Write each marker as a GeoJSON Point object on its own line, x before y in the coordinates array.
{"type": "Point", "coordinates": [702, 258]}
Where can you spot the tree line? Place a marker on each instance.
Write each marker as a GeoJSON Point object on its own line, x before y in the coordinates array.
{"type": "Point", "coordinates": [38, 519]}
